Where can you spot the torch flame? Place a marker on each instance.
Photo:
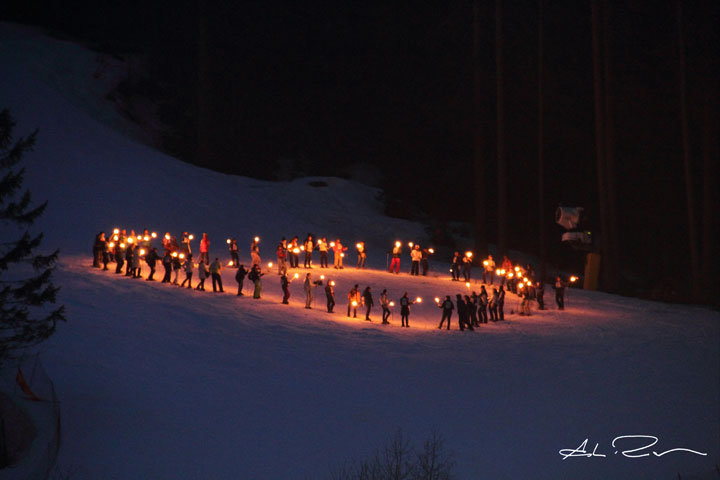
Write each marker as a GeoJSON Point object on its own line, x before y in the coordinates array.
{"type": "Point", "coordinates": [467, 284]}
{"type": "Point", "coordinates": [142, 251]}
{"type": "Point", "coordinates": [111, 245]}
{"type": "Point", "coordinates": [182, 255]}
{"type": "Point", "coordinates": [397, 244]}
{"type": "Point", "coordinates": [332, 244]}
{"type": "Point", "coordinates": [332, 282]}
{"type": "Point", "coordinates": [486, 263]}
{"type": "Point", "coordinates": [437, 299]}
{"type": "Point", "coordinates": [228, 241]}
{"type": "Point", "coordinates": [191, 236]}
{"type": "Point", "coordinates": [116, 231]}
{"type": "Point", "coordinates": [468, 254]}
{"type": "Point", "coordinates": [269, 264]}
{"type": "Point", "coordinates": [154, 235]}
{"type": "Point", "coordinates": [354, 303]}
{"type": "Point", "coordinates": [296, 276]}
{"type": "Point", "coordinates": [431, 250]}
{"type": "Point", "coordinates": [131, 240]}
{"type": "Point", "coordinates": [392, 304]}
{"type": "Point", "coordinates": [257, 239]}
{"type": "Point", "coordinates": [418, 300]}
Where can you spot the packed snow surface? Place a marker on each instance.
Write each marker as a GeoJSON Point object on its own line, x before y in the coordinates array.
{"type": "Point", "coordinates": [164, 383]}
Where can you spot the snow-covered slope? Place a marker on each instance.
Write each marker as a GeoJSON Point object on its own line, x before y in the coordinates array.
{"type": "Point", "coordinates": [158, 382]}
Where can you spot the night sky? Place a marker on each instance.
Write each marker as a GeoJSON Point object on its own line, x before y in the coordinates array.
{"type": "Point", "coordinates": [320, 88]}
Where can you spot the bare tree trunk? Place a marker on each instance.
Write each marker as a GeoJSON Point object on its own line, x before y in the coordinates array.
{"type": "Point", "coordinates": [500, 120]}
{"type": "Point", "coordinates": [613, 255]}
{"type": "Point", "coordinates": [540, 147]}
{"type": "Point", "coordinates": [710, 225]}
{"type": "Point", "coordinates": [479, 142]}
{"type": "Point", "coordinates": [689, 190]}
{"type": "Point", "coordinates": [600, 141]}
{"type": "Point", "coordinates": [203, 107]}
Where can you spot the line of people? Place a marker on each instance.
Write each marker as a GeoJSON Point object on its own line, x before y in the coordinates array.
{"type": "Point", "coordinates": [128, 250]}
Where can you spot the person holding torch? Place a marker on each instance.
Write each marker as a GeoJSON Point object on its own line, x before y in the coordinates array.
{"type": "Point", "coordinates": [488, 270]}
{"type": "Point", "coordinates": [338, 250]}
{"type": "Point", "coordinates": [233, 249]}
{"type": "Point", "coordinates": [415, 256]}
{"type": "Point", "coordinates": [395, 262]}
{"type": "Point", "coordinates": [353, 301]}
{"type": "Point", "coordinates": [447, 309]}
{"type": "Point", "coordinates": [330, 294]}
{"type": "Point", "coordinates": [405, 310]}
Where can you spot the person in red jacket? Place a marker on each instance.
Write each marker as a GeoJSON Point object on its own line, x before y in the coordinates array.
{"type": "Point", "coordinates": [204, 248]}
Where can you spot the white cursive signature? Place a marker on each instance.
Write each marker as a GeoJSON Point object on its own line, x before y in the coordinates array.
{"type": "Point", "coordinates": [648, 442]}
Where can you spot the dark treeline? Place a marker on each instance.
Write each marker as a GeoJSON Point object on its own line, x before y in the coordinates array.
{"type": "Point", "coordinates": [278, 89]}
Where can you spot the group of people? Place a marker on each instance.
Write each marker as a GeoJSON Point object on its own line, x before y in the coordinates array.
{"type": "Point", "coordinates": [128, 250]}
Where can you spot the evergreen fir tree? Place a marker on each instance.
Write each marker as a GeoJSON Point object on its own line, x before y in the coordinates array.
{"type": "Point", "coordinates": [26, 288]}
